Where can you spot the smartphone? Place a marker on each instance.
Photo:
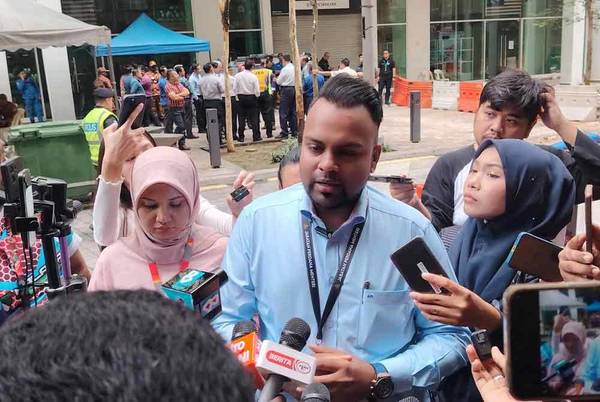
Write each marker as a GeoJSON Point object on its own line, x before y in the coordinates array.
{"type": "Point", "coordinates": [589, 191]}
{"type": "Point", "coordinates": [412, 260]}
{"type": "Point", "coordinates": [391, 179]}
{"type": "Point", "coordinates": [535, 256]}
{"type": "Point", "coordinates": [26, 196]}
{"type": "Point", "coordinates": [10, 178]}
{"type": "Point", "coordinates": [129, 103]}
{"type": "Point", "coordinates": [239, 193]}
{"type": "Point", "coordinates": [536, 370]}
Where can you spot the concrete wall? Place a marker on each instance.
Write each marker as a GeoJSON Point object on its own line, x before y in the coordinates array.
{"type": "Point", "coordinates": [572, 50]}
{"type": "Point", "coordinates": [207, 25]}
{"type": "Point", "coordinates": [417, 38]}
{"type": "Point", "coordinates": [4, 81]}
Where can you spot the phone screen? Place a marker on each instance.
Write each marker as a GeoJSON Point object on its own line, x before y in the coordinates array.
{"type": "Point", "coordinates": [554, 343]}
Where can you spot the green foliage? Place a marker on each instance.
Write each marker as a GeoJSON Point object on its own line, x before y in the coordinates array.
{"type": "Point", "coordinates": [286, 145]}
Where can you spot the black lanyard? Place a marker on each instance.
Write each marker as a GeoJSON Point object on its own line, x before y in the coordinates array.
{"type": "Point", "coordinates": [340, 275]}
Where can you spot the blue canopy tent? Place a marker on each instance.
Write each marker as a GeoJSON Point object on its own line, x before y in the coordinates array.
{"type": "Point", "coordinates": [594, 307]}
{"type": "Point", "coordinates": [146, 36]}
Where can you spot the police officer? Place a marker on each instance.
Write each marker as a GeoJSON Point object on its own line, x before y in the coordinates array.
{"type": "Point", "coordinates": [100, 117]}
{"type": "Point", "coordinates": [265, 101]}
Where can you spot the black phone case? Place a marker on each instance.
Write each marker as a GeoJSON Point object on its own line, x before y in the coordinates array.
{"type": "Point", "coordinates": [130, 102]}
{"type": "Point", "coordinates": [412, 259]}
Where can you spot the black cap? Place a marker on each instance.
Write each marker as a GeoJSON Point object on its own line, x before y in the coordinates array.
{"type": "Point", "coordinates": [316, 392]}
{"type": "Point", "coordinates": [295, 334]}
{"type": "Point", "coordinates": [243, 328]}
{"type": "Point", "coordinates": [103, 93]}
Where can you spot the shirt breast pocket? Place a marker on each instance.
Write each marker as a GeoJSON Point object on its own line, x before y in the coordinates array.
{"type": "Point", "coordinates": [386, 321]}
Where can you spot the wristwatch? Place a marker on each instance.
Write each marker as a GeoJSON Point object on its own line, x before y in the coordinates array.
{"type": "Point", "coordinates": [382, 386]}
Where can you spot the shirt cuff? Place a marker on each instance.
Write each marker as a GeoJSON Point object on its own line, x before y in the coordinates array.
{"type": "Point", "coordinates": [111, 183]}
{"type": "Point", "coordinates": [401, 373]}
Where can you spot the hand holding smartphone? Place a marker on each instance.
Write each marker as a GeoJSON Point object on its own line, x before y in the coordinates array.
{"type": "Point", "coordinates": [414, 259]}
{"type": "Point", "coordinates": [130, 103]}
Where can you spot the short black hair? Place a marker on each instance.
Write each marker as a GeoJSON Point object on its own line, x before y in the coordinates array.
{"type": "Point", "coordinates": [348, 92]}
{"type": "Point", "coordinates": [291, 158]}
{"type": "Point", "coordinates": [287, 57]}
{"type": "Point", "coordinates": [117, 346]}
{"type": "Point", "coordinates": [3, 97]}
{"type": "Point", "coordinates": [248, 64]}
{"type": "Point", "coordinates": [178, 68]}
{"type": "Point", "coordinates": [214, 64]}
{"type": "Point", "coordinates": [207, 67]}
{"type": "Point", "coordinates": [514, 88]}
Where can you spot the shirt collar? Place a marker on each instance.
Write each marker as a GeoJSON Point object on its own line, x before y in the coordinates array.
{"type": "Point", "coordinates": [358, 215]}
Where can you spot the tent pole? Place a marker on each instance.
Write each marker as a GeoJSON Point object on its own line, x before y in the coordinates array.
{"type": "Point", "coordinates": [111, 68]}
{"type": "Point", "coordinates": [39, 74]}
{"type": "Point", "coordinates": [95, 62]}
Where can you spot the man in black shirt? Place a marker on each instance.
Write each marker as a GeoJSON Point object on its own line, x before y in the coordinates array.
{"type": "Point", "coordinates": [387, 71]}
{"type": "Point", "coordinates": [509, 107]}
{"type": "Point", "coordinates": [324, 62]}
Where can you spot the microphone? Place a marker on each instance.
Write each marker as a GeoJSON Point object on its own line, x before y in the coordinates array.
{"type": "Point", "coordinates": [284, 361]}
{"type": "Point", "coordinates": [245, 345]}
{"type": "Point", "coordinates": [197, 290]}
{"type": "Point", "coordinates": [316, 392]}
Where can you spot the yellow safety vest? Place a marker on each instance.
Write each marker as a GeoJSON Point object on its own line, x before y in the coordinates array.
{"type": "Point", "coordinates": [264, 79]}
{"type": "Point", "coordinates": [93, 124]}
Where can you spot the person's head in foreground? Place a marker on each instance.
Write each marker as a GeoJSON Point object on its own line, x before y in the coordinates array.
{"type": "Point", "coordinates": [508, 106]}
{"type": "Point", "coordinates": [339, 145]}
{"type": "Point", "coordinates": [512, 187]}
{"type": "Point", "coordinates": [289, 168]}
{"type": "Point", "coordinates": [117, 346]}
{"type": "Point", "coordinates": [165, 190]}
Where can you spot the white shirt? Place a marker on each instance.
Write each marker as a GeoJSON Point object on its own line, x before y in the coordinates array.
{"type": "Point", "coordinates": [232, 91]}
{"type": "Point", "coordinates": [211, 87]}
{"type": "Point", "coordinates": [345, 70]}
{"type": "Point", "coordinates": [286, 77]}
{"type": "Point", "coordinates": [246, 83]}
{"type": "Point", "coordinates": [110, 226]}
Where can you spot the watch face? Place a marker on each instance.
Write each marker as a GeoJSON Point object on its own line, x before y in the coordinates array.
{"type": "Point", "coordinates": [384, 388]}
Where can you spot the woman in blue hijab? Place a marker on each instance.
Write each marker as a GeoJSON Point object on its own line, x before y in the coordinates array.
{"type": "Point", "coordinates": [512, 187]}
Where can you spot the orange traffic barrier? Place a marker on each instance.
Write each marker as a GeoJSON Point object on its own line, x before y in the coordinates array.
{"type": "Point", "coordinates": [470, 91]}
{"type": "Point", "coordinates": [403, 87]}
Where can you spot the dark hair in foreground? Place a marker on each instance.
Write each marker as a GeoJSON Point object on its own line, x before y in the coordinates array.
{"type": "Point", "coordinates": [291, 158]}
{"type": "Point", "coordinates": [348, 92]}
{"type": "Point", "coordinates": [514, 88]}
{"type": "Point", "coordinates": [117, 346]}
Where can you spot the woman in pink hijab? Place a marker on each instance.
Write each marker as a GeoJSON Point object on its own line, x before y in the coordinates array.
{"type": "Point", "coordinates": [165, 191]}
{"type": "Point", "coordinates": [572, 347]}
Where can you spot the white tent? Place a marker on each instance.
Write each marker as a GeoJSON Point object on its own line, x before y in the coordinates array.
{"type": "Point", "coordinates": [25, 24]}
{"type": "Point", "coordinates": [553, 299]}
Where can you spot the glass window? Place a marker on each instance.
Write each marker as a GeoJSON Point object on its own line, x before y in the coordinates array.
{"type": "Point", "coordinates": [470, 9]}
{"type": "Point", "coordinates": [393, 39]}
{"type": "Point", "coordinates": [244, 43]}
{"type": "Point", "coordinates": [119, 14]}
{"type": "Point", "coordinates": [26, 59]}
{"type": "Point", "coordinates": [541, 46]}
{"type": "Point", "coordinates": [502, 9]}
{"type": "Point", "coordinates": [502, 46]}
{"type": "Point", "coordinates": [391, 11]}
{"type": "Point", "coordinates": [244, 14]}
{"type": "Point", "coordinates": [469, 51]}
{"type": "Point", "coordinates": [443, 49]}
{"type": "Point", "coordinates": [443, 10]}
{"type": "Point", "coordinates": [542, 8]}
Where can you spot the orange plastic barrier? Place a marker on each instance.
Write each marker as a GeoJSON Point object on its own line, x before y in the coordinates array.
{"type": "Point", "coordinates": [403, 87]}
{"type": "Point", "coordinates": [470, 91]}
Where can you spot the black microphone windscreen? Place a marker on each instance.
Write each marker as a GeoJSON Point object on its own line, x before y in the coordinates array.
{"type": "Point", "coordinates": [315, 392]}
{"type": "Point", "coordinates": [295, 334]}
{"type": "Point", "coordinates": [242, 328]}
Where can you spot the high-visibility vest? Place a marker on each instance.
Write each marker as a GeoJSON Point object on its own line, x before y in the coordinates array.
{"type": "Point", "coordinates": [264, 79]}
{"type": "Point", "coordinates": [93, 124]}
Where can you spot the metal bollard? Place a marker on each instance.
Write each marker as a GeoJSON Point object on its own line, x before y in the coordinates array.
{"type": "Point", "coordinates": [213, 134]}
{"type": "Point", "coordinates": [415, 116]}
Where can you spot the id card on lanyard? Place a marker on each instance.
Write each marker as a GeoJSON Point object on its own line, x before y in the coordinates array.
{"type": "Point", "coordinates": [183, 265]}
{"type": "Point", "coordinates": [340, 275]}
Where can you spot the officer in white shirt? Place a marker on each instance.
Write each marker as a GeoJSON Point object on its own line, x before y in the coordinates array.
{"type": "Point", "coordinates": [287, 105]}
{"type": "Point", "coordinates": [247, 89]}
{"type": "Point", "coordinates": [344, 69]}
{"type": "Point", "coordinates": [213, 89]}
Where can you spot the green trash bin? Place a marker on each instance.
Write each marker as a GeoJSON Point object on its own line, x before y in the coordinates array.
{"type": "Point", "coordinates": [59, 150]}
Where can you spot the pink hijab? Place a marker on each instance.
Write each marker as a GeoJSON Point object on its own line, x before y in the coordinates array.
{"type": "Point", "coordinates": [173, 167]}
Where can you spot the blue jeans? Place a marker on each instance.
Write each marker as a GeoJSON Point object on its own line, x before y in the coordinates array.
{"type": "Point", "coordinates": [33, 108]}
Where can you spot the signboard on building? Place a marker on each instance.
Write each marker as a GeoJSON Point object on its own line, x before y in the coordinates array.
{"type": "Point", "coordinates": [323, 4]}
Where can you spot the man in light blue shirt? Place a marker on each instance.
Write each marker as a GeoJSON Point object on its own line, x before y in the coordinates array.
{"type": "Point", "coordinates": [374, 335]}
{"type": "Point", "coordinates": [197, 98]}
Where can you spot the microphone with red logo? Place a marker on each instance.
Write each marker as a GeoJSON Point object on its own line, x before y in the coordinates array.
{"type": "Point", "coordinates": [245, 344]}
{"type": "Point", "coordinates": [284, 361]}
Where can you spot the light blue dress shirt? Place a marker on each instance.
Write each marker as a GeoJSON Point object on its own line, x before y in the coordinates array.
{"type": "Point", "coordinates": [194, 81]}
{"type": "Point", "coordinates": [373, 318]}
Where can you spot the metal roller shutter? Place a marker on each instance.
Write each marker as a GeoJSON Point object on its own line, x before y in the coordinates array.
{"type": "Point", "coordinates": [340, 35]}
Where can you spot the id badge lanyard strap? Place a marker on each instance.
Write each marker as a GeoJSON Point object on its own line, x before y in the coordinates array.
{"type": "Point", "coordinates": [183, 265]}
{"type": "Point", "coordinates": [340, 275]}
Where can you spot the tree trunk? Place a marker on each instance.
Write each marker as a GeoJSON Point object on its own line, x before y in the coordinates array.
{"type": "Point", "coordinates": [315, 66]}
{"type": "Point", "coordinates": [224, 8]}
{"type": "Point", "coordinates": [298, 72]}
{"type": "Point", "coordinates": [589, 27]}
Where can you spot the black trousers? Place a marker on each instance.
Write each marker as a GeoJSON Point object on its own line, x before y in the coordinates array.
{"type": "Point", "coordinates": [287, 111]}
{"type": "Point", "coordinates": [248, 111]}
{"type": "Point", "coordinates": [188, 116]}
{"type": "Point", "coordinates": [267, 111]}
{"type": "Point", "coordinates": [150, 116]}
{"type": "Point", "coordinates": [220, 106]}
{"type": "Point", "coordinates": [234, 116]}
{"type": "Point", "coordinates": [385, 82]}
{"type": "Point", "coordinates": [200, 114]}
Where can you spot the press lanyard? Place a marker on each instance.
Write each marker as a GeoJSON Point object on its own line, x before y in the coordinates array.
{"type": "Point", "coordinates": [183, 265]}
{"type": "Point", "coordinates": [340, 275]}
